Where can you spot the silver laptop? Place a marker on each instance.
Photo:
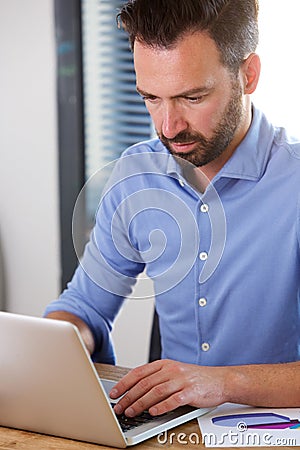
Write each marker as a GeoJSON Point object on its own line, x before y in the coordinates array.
{"type": "Point", "coordinates": [50, 385]}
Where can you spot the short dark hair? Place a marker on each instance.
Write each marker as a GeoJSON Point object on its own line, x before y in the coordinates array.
{"type": "Point", "coordinates": [232, 24]}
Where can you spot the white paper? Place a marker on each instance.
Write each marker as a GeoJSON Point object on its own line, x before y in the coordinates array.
{"type": "Point", "coordinates": [243, 435]}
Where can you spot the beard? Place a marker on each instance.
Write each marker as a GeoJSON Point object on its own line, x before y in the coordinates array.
{"type": "Point", "coordinates": [207, 150]}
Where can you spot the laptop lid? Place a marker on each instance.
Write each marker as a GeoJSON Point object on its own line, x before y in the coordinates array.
{"type": "Point", "coordinates": [50, 385]}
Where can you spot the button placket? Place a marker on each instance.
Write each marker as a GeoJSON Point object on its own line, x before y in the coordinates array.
{"type": "Point", "coordinates": [203, 309]}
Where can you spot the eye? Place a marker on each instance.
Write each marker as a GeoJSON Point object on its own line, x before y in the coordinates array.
{"type": "Point", "coordinates": [196, 100]}
{"type": "Point", "coordinates": [150, 98]}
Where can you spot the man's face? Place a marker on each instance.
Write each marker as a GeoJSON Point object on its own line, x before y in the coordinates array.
{"type": "Point", "coordinates": [195, 102]}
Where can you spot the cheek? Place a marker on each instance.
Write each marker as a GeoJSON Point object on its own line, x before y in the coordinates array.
{"type": "Point", "coordinates": [207, 118]}
{"type": "Point", "coordinates": [203, 120]}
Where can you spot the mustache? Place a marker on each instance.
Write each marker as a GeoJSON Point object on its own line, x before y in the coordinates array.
{"type": "Point", "coordinates": [184, 137]}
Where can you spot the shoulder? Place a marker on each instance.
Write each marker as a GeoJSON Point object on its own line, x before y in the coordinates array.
{"type": "Point", "coordinates": [286, 142]}
{"type": "Point", "coordinates": [137, 167]}
{"type": "Point", "coordinates": [149, 146]}
{"type": "Point", "coordinates": [145, 157]}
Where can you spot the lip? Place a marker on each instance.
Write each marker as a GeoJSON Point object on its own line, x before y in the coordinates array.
{"type": "Point", "coordinates": [183, 147]}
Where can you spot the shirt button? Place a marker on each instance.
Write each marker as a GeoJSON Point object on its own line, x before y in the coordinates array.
{"type": "Point", "coordinates": [205, 346]}
{"type": "Point", "coordinates": [203, 256]}
{"type": "Point", "coordinates": [202, 301]}
{"type": "Point", "coordinates": [204, 208]}
{"type": "Point", "coordinates": [181, 182]}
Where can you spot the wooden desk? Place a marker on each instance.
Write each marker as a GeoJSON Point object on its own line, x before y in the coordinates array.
{"type": "Point", "coordinates": [25, 440]}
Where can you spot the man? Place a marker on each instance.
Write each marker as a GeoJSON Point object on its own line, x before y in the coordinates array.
{"type": "Point", "coordinates": [229, 318]}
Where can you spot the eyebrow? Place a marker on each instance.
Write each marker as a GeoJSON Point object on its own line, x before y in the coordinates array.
{"type": "Point", "coordinates": [188, 93]}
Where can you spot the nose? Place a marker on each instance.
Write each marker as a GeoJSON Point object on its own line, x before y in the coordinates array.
{"type": "Point", "coordinates": [173, 121]}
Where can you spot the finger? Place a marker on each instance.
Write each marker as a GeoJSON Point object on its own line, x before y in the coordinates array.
{"type": "Point", "coordinates": [133, 377]}
{"type": "Point", "coordinates": [138, 400]}
{"type": "Point", "coordinates": [169, 404]}
{"type": "Point", "coordinates": [192, 395]}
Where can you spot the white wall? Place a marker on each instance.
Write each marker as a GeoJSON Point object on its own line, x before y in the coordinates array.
{"type": "Point", "coordinates": [132, 330]}
{"type": "Point", "coordinates": [29, 227]}
{"type": "Point", "coordinates": [277, 93]}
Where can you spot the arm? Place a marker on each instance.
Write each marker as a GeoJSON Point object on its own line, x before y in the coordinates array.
{"type": "Point", "coordinates": [164, 385]}
{"type": "Point", "coordinates": [84, 330]}
{"type": "Point", "coordinates": [103, 279]}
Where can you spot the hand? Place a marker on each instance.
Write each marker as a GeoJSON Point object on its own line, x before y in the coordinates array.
{"type": "Point", "coordinates": [164, 385]}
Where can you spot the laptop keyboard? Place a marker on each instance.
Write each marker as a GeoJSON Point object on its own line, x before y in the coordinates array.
{"type": "Point", "coordinates": [127, 423]}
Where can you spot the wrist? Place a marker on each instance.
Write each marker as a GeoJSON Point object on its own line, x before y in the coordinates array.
{"type": "Point", "coordinates": [235, 384]}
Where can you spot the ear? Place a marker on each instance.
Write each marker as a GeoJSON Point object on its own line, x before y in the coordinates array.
{"type": "Point", "coordinates": [250, 72]}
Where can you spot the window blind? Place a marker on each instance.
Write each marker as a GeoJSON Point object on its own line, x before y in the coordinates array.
{"type": "Point", "coordinates": [115, 116]}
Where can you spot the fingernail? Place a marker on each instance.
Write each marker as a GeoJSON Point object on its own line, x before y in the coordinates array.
{"type": "Point", "coordinates": [113, 393]}
{"type": "Point", "coordinates": [130, 412]}
{"type": "Point", "coordinates": [153, 411]}
{"type": "Point", "coordinates": [118, 409]}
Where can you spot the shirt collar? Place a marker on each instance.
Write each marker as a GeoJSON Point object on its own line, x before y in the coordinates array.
{"type": "Point", "coordinates": [249, 160]}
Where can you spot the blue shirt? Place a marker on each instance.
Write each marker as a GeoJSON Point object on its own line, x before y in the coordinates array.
{"type": "Point", "coordinates": [224, 261]}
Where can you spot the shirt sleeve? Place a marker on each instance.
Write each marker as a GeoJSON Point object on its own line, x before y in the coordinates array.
{"type": "Point", "coordinates": [103, 279]}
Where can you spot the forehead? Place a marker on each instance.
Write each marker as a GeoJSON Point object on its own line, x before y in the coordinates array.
{"type": "Point", "coordinates": [193, 61]}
